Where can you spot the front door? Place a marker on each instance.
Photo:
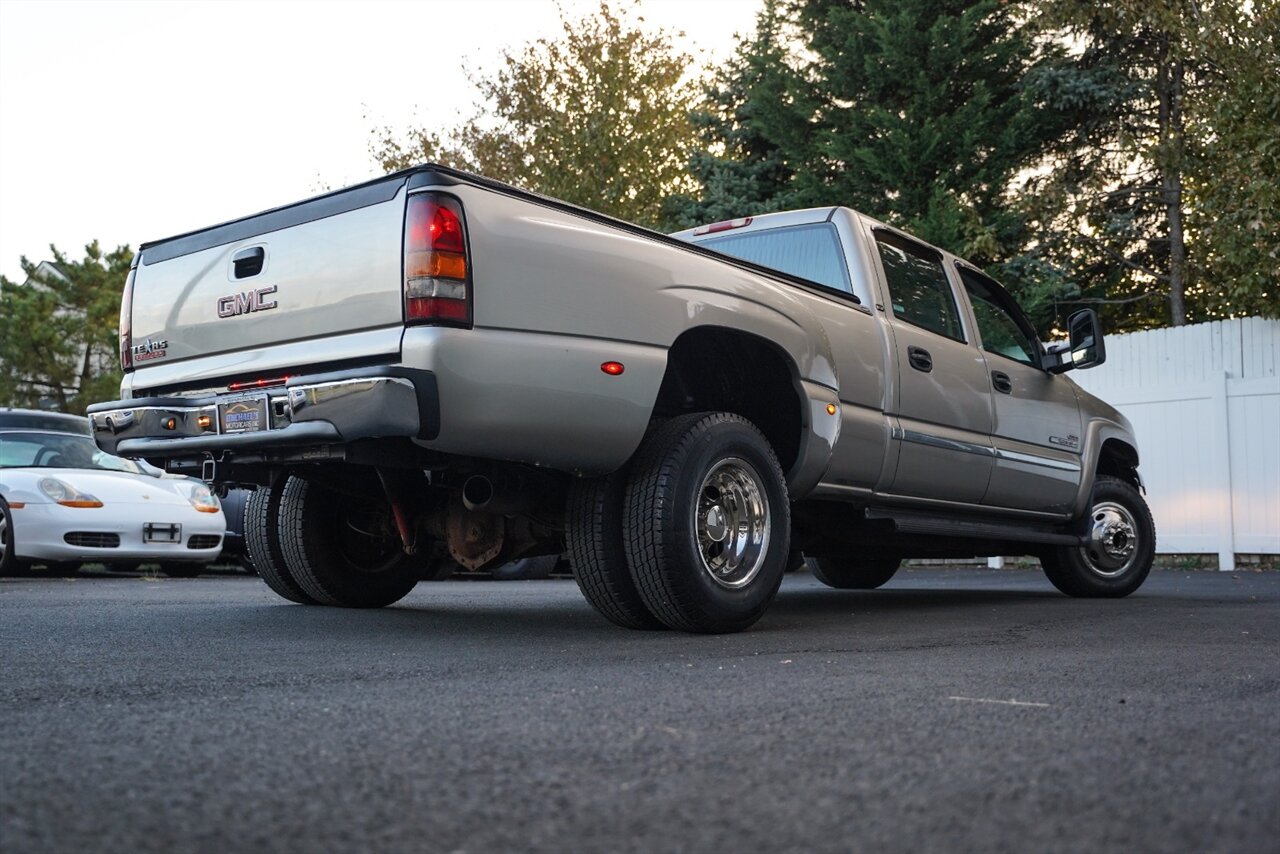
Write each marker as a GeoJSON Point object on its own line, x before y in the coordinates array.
{"type": "Point", "coordinates": [1037, 433]}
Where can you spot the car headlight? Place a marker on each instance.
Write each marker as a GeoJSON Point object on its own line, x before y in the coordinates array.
{"type": "Point", "coordinates": [203, 499]}
{"type": "Point", "coordinates": [61, 492]}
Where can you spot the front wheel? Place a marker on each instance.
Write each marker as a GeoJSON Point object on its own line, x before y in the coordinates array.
{"type": "Point", "coordinates": [1118, 550]}
{"type": "Point", "coordinates": [708, 523]}
{"type": "Point", "coordinates": [343, 549]}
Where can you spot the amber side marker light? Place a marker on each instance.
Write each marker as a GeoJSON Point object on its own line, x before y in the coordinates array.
{"type": "Point", "coordinates": [17, 505]}
{"type": "Point", "coordinates": [831, 409]}
{"type": "Point", "coordinates": [613, 369]}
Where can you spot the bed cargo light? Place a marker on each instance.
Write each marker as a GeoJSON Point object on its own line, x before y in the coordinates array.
{"type": "Point", "coordinates": [725, 225]}
{"type": "Point", "coordinates": [436, 286]}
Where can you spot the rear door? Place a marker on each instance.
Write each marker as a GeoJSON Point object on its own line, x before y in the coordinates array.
{"type": "Point", "coordinates": [943, 399]}
{"type": "Point", "coordinates": [1036, 434]}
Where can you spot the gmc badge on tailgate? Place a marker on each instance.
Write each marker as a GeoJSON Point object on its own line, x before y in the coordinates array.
{"type": "Point", "coordinates": [246, 303]}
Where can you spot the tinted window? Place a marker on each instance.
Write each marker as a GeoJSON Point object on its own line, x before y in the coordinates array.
{"type": "Point", "coordinates": [808, 251]}
{"type": "Point", "coordinates": [918, 285]}
{"type": "Point", "coordinates": [1001, 333]}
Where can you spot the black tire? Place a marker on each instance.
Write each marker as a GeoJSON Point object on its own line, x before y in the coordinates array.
{"type": "Point", "coordinates": [1121, 549]}
{"type": "Point", "coordinates": [262, 544]}
{"type": "Point", "coordinates": [181, 570]}
{"type": "Point", "coordinates": [597, 557]}
{"type": "Point", "coordinates": [526, 568]}
{"type": "Point", "coordinates": [343, 550]}
{"type": "Point", "coordinates": [8, 560]}
{"type": "Point", "coordinates": [684, 470]}
{"type": "Point", "coordinates": [845, 573]}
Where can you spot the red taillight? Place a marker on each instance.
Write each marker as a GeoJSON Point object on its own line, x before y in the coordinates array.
{"type": "Point", "coordinates": [436, 281]}
{"type": "Point", "coordinates": [126, 323]}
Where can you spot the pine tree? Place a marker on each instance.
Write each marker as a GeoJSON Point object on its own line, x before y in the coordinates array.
{"type": "Point", "coordinates": [61, 346]}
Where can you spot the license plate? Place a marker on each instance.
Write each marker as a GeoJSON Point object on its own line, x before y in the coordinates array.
{"type": "Point", "coordinates": [246, 415]}
{"type": "Point", "coordinates": [161, 532]}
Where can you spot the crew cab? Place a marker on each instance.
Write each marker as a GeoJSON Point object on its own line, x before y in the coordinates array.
{"type": "Point", "coordinates": [434, 363]}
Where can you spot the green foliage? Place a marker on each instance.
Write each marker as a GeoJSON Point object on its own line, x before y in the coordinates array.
{"type": "Point", "coordinates": [1234, 180]}
{"type": "Point", "coordinates": [1119, 154]}
{"type": "Point", "coordinates": [59, 344]}
{"type": "Point", "coordinates": [917, 112]}
{"type": "Point", "coordinates": [598, 117]}
{"type": "Point", "coordinates": [743, 166]}
{"type": "Point", "coordinates": [1156, 209]}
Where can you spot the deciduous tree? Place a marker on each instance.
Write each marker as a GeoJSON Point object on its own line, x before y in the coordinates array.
{"type": "Point", "coordinates": [598, 117]}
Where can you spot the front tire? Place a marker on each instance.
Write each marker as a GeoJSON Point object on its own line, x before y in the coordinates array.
{"type": "Point", "coordinates": [708, 523]}
{"type": "Point", "coordinates": [1119, 551]}
{"type": "Point", "coordinates": [845, 573]}
{"type": "Point", "coordinates": [342, 549]}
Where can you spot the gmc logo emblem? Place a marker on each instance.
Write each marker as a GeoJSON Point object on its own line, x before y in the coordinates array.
{"type": "Point", "coordinates": [246, 303]}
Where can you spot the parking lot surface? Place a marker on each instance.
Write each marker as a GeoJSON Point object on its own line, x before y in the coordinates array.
{"type": "Point", "coordinates": [953, 710]}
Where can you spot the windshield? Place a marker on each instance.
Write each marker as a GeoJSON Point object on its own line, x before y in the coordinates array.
{"type": "Point", "coordinates": [58, 450]}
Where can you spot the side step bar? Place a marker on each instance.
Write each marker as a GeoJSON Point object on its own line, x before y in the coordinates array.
{"type": "Point", "coordinates": [914, 522]}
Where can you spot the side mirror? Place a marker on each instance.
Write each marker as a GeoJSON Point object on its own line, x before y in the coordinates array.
{"type": "Point", "coordinates": [1086, 348]}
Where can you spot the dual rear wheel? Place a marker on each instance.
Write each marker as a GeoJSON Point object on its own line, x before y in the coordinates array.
{"type": "Point", "coordinates": [693, 535]}
{"type": "Point", "coordinates": [316, 546]}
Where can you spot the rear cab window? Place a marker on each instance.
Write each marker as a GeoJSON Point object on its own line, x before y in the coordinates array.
{"type": "Point", "coordinates": [811, 252]}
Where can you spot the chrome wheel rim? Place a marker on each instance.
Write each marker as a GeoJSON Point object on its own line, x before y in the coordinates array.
{"type": "Point", "coordinates": [1112, 545]}
{"type": "Point", "coordinates": [731, 523]}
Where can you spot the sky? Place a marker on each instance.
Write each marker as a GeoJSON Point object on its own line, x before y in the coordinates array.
{"type": "Point", "coordinates": [127, 122]}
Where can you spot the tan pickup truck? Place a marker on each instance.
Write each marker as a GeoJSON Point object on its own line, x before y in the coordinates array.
{"type": "Point", "coordinates": [433, 363]}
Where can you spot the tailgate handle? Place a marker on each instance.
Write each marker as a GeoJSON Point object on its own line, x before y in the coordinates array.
{"type": "Point", "coordinates": [248, 262]}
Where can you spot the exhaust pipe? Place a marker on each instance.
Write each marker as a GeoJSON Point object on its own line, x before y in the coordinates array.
{"type": "Point", "coordinates": [509, 495]}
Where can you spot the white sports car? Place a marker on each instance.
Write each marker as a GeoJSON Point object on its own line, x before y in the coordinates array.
{"type": "Point", "coordinates": [63, 501]}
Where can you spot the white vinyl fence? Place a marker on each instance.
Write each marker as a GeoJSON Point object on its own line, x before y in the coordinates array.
{"type": "Point", "coordinates": [1205, 403]}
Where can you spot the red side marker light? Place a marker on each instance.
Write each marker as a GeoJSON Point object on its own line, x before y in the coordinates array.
{"type": "Point", "coordinates": [613, 369]}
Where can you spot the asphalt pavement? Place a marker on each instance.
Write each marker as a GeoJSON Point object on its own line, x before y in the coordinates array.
{"type": "Point", "coordinates": [953, 710]}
